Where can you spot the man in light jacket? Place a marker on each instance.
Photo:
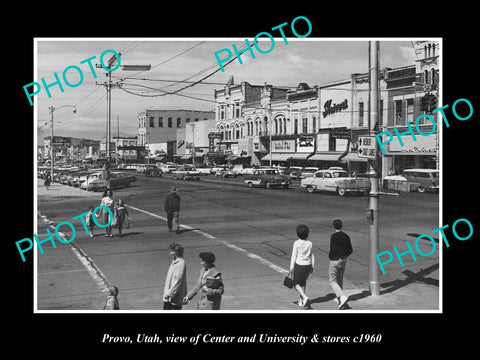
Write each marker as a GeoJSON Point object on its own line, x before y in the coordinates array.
{"type": "Point", "coordinates": [176, 282]}
{"type": "Point", "coordinates": [209, 287]}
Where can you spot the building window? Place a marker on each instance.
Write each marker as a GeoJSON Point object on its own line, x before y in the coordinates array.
{"type": "Point", "coordinates": [179, 122]}
{"type": "Point", "coordinates": [196, 119]}
{"type": "Point", "coordinates": [295, 126]}
{"type": "Point", "coordinates": [410, 110]}
{"type": "Point", "coordinates": [237, 132]}
{"type": "Point", "coordinates": [304, 125]}
{"type": "Point", "coordinates": [426, 79]}
{"type": "Point", "coordinates": [151, 122]}
{"type": "Point", "coordinates": [160, 122]}
{"type": "Point", "coordinates": [237, 110]}
{"type": "Point", "coordinates": [314, 124]}
{"type": "Point", "coordinates": [169, 122]}
{"type": "Point", "coordinates": [284, 126]}
{"type": "Point", "coordinates": [399, 120]}
{"type": "Point", "coordinates": [222, 112]}
{"type": "Point", "coordinates": [361, 110]}
{"type": "Point", "coordinates": [187, 120]}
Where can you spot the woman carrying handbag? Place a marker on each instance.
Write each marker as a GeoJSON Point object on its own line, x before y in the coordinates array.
{"type": "Point", "coordinates": [302, 264]}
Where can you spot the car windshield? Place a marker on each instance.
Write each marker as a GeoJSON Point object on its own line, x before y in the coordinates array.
{"type": "Point", "coordinates": [339, 174]}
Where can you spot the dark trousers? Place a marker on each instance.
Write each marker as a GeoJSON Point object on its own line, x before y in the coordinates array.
{"type": "Point", "coordinates": [170, 306]}
{"type": "Point", "coordinates": [172, 220]}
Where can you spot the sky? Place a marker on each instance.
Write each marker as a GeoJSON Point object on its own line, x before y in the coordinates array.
{"type": "Point", "coordinates": [315, 61]}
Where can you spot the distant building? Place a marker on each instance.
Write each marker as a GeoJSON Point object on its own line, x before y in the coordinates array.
{"type": "Point", "coordinates": [163, 131]}
{"type": "Point", "coordinates": [123, 149]}
{"type": "Point", "coordinates": [70, 149]}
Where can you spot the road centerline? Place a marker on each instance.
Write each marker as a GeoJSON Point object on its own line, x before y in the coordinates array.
{"type": "Point", "coordinates": [253, 256]}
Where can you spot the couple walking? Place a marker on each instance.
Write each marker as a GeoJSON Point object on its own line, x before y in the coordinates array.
{"type": "Point", "coordinates": [209, 286]}
{"type": "Point", "coordinates": [302, 262]}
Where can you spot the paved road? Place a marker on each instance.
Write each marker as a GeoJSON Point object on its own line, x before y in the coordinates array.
{"type": "Point", "coordinates": [251, 231]}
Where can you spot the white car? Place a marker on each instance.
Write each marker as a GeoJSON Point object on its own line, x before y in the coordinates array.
{"type": "Point", "coordinates": [336, 181]}
{"type": "Point", "coordinates": [168, 168]}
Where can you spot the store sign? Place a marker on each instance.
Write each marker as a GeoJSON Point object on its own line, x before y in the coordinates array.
{"type": "Point", "coordinates": [283, 146]}
{"type": "Point", "coordinates": [306, 144]}
{"type": "Point", "coordinates": [330, 108]}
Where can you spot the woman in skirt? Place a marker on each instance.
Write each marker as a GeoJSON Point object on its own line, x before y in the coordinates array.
{"type": "Point", "coordinates": [302, 264]}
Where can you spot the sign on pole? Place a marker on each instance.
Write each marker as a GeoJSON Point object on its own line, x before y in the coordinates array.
{"type": "Point", "coordinates": [367, 147]}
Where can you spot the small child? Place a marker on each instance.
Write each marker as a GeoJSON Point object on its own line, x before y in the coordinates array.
{"type": "Point", "coordinates": [122, 215]}
{"type": "Point", "coordinates": [112, 301]}
{"type": "Point", "coordinates": [89, 221]}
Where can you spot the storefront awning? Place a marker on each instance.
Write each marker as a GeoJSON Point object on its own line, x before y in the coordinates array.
{"type": "Point", "coordinates": [353, 157]}
{"type": "Point", "coordinates": [300, 156]}
{"type": "Point", "coordinates": [277, 157]}
{"type": "Point", "coordinates": [325, 157]}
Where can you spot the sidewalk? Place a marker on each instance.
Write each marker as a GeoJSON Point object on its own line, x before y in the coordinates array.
{"type": "Point", "coordinates": [403, 290]}
{"type": "Point", "coordinates": [62, 191]}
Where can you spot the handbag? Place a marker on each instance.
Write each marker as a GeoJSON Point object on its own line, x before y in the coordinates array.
{"type": "Point", "coordinates": [288, 281]}
{"type": "Point", "coordinates": [213, 282]}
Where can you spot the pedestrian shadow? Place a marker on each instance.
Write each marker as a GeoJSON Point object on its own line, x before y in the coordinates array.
{"type": "Point", "coordinates": [322, 299]}
{"type": "Point", "coordinates": [388, 287]}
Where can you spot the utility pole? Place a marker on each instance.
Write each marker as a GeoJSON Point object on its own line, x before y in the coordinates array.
{"type": "Point", "coordinates": [374, 176]}
{"type": "Point", "coordinates": [52, 151]}
{"type": "Point", "coordinates": [108, 85]}
{"type": "Point", "coordinates": [193, 152]}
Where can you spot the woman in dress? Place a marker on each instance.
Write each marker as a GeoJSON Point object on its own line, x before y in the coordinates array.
{"type": "Point", "coordinates": [107, 201]}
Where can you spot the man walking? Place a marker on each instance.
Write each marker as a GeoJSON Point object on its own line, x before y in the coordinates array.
{"type": "Point", "coordinates": [172, 207]}
{"type": "Point", "coordinates": [340, 249]}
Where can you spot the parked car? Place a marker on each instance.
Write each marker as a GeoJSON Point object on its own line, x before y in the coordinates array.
{"type": "Point", "coordinates": [293, 172]}
{"type": "Point", "coordinates": [243, 169]}
{"type": "Point", "coordinates": [419, 180]}
{"type": "Point", "coordinates": [95, 185]}
{"type": "Point", "coordinates": [204, 169]}
{"type": "Point", "coordinates": [337, 181]}
{"type": "Point", "coordinates": [267, 178]}
{"type": "Point", "coordinates": [308, 172]}
{"type": "Point", "coordinates": [152, 170]}
{"type": "Point", "coordinates": [226, 172]}
{"type": "Point", "coordinates": [121, 179]}
{"type": "Point", "coordinates": [168, 168]}
{"type": "Point", "coordinates": [186, 172]}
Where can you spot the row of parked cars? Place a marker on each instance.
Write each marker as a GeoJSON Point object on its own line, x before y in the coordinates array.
{"type": "Point", "coordinates": [90, 180]}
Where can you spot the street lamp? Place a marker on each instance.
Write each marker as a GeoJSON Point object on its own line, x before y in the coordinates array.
{"type": "Point", "coordinates": [52, 110]}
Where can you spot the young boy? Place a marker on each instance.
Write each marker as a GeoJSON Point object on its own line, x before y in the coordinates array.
{"type": "Point", "coordinates": [340, 249]}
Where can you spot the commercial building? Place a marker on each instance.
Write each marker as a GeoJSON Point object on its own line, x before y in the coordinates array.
{"type": "Point", "coordinates": [408, 88]}
{"type": "Point", "coordinates": [160, 131]}
{"type": "Point", "coordinates": [70, 149]}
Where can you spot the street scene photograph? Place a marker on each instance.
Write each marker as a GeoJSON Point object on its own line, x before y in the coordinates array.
{"type": "Point", "coordinates": [278, 174]}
